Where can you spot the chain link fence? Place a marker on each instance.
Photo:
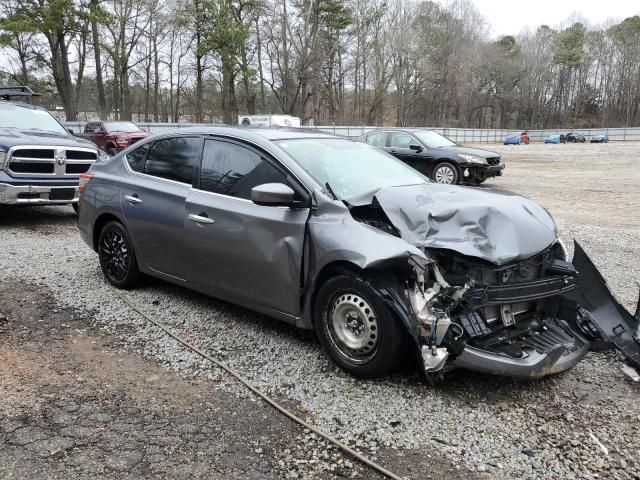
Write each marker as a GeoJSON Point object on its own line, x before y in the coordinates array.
{"type": "Point", "coordinates": [458, 135]}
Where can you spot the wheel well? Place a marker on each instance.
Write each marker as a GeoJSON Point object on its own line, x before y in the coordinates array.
{"type": "Point", "coordinates": [101, 221]}
{"type": "Point", "coordinates": [328, 271]}
{"type": "Point", "coordinates": [344, 267]}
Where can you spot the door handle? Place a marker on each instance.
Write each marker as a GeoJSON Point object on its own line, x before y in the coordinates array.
{"type": "Point", "coordinates": [201, 219]}
{"type": "Point", "coordinates": [133, 199]}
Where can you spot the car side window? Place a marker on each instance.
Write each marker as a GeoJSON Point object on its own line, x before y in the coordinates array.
{"type": "Point", "coordinates": [89, 127]}
{"type": "Point", "coordinates": [377, 139]}
{"type": "Point", "coordinates": [400, 140]}
{"type": "Point", "coordinates": [173, 158]}
{"type": "Point", "coordinates": [136, 157]}
{"type": "Point", "coordinates": [232, 169]}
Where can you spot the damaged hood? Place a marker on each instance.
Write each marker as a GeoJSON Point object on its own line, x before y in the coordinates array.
{"type": "Point", "coordinates": [499, 227]}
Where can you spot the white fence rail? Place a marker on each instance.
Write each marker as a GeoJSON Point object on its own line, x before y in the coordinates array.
{"type": "Point", "coordinates": [459, 135]}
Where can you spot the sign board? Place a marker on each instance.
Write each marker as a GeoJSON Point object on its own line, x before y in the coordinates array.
{"type": "Point", "coordinates": [268, 121]}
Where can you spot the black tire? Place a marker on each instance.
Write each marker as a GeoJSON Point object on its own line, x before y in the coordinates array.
{"type": "Point", "coordinates": [444, 171]}
{"type": "Point", "coordinates": [111, 151]}
{"type": "Point", "coordinates": [117, 257]}
{"type": "Point", "coordinates": [374, 332]}
{"type": "Point", "coordinates": [75, 207]}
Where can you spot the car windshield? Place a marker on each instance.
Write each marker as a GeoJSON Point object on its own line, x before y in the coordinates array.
{"type": "Point", "coordinates": [432, 139]}
{"type": "Point", "coordinates": [350, 168]}
{"type": "Point", "coordinates": [25, 118]}
{"type": "Point", "coordinates": [126, 127]}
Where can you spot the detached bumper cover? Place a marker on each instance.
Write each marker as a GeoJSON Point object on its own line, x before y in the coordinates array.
{"type": "Point", "coordinates": [37, 194]}
{"type": "Point", "coordinates": [613, 321]}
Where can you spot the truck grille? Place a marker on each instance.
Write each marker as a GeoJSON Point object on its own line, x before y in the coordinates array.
{"type": "Point", "coordinates": [31, 161]}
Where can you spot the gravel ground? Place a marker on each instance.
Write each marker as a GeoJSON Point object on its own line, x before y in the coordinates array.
{"type": "Point", "coordinates": [497, 427]}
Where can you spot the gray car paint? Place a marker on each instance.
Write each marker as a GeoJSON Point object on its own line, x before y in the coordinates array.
{"type": "Point", "coordinates": [277, 264]}
{"type": "Point", "coordinates": [499, 227]}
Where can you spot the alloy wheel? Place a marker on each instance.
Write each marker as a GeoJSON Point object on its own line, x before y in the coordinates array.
{"type": "Point", "coordinates": [445, 174]}
{"type": "Point", "coordinates": [114, 251]}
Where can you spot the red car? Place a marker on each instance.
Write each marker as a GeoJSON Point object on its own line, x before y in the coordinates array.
{"type": "Point", "coordinates": [113, 137]}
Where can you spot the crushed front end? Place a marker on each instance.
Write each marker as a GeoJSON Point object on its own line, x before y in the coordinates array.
{"type": "Point", "coordinates": [519, 320]}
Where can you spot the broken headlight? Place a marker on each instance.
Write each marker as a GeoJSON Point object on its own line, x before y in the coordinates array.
{"type": "Point", "coordinates": [473, 159]}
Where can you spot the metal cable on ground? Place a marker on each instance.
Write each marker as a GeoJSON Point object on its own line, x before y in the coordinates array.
{"type": "Point", "coordinates": [361, 458]}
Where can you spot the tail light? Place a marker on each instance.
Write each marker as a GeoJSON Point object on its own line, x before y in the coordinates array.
{"type": "Point", "coordinates": [85, 178]}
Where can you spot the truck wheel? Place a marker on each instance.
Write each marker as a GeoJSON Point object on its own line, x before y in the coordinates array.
{"type": "Point", "coordinates": [356, 328]}
{"type": "Point", "coordinates": [117, 257]}
{"type": "Point", "coordinates": [75, 207]}
{"type": "Point", "coordinates": [445, 173]}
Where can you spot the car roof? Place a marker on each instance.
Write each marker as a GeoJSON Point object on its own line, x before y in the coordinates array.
{"type": "Point", "coordinates": [8, 105]}
{"type": "Point", "coordinates": [267, 133]}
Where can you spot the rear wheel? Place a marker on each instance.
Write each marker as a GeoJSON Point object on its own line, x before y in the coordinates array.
{"type": "Point", "coordinates": [356, 328]}
{"type": "Point", "coordinates": [445, 173]}
{"type": "Point", "coordinates": [117, 257]}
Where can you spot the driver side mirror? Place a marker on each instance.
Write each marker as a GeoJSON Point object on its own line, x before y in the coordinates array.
{"type": "Point", "coordinates": [416, 148]}
{"type": "Point", "coordinates": [272, 195]}
{"type": "Point", "coordinates": [70, 130]}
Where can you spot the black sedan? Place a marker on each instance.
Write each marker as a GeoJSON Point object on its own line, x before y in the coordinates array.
{"type": "Point", "coordinates": [576, 138]}
{"type": "Point", "coordinates": [436, 156]}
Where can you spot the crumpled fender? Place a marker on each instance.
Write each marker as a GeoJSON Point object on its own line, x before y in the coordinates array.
{"type": "Point", "coordinates": [613, 321]}
{"type": "Point", "coordinates": [333, 236]}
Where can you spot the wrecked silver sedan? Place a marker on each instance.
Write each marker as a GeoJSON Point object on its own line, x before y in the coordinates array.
{"type": "Point", "coordinates": [337, 236]}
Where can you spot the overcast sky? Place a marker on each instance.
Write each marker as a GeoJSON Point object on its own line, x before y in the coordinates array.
{"type": "Point", "coordinates": [509, 16]}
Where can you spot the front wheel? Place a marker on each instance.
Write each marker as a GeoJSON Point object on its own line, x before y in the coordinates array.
{"type": "Point", "coordinates": [117, 258]}
{"type": "Point", "coordinates": [445, 173]}
{"type": "Point", "coordinates": [356, 328]}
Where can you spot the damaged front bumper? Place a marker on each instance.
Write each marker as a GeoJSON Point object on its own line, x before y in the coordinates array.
{"type": "Point", "coordinates": [552, 350]}
{"type": "Point", "coordinates": [571, 307]}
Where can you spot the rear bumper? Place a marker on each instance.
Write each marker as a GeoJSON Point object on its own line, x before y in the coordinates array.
{"type": "Point", "coordinates": [37, 194]}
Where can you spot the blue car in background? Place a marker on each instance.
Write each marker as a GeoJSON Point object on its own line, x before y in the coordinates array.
{"type": "Point", "coordinates": [512, 140]}
{"type": "Point", "coordinates": [555, 139]}
{"type": "Point", "coordinates": [517, 138]}
{"type": "Point", "coordinates": [600, 139]}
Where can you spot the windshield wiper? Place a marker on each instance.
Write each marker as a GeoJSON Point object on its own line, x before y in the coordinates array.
{"type": "Point", "coordinates": [330, 191]}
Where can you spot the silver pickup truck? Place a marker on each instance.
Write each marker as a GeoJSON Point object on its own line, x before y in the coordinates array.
{"type": "Point", "coordinates": [40, 160]}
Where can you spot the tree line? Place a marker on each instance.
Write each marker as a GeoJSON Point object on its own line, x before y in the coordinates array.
{"type": "Point", "coordinates": [344, 62]}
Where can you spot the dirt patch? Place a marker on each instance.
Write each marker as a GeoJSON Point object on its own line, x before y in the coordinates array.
{"type": "Point", "coordinates": [586, 183]}
{"type": "Point", "coordinates": [77, 404]}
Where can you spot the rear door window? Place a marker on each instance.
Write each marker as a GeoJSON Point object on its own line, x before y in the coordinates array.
{"type": "Point", "coordinates": [232, 169]}
{"type": "Point", "coordinates": [173, 158]}
{"type": "Point", "coordinates": [136, 157]}
{"type": "Point", "coordinates": [377, 139]}
{"type": "Point", "coordinates": [400, 140]}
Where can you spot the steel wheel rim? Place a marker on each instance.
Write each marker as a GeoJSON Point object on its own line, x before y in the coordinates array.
{"type": "Point", "coordinates": [445, 174]}
{"type": "Point", "coordinates": [114, 252]}
{"type": "Point", "coordinates": [353, 327]}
